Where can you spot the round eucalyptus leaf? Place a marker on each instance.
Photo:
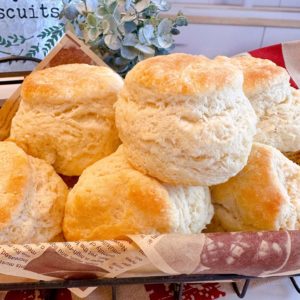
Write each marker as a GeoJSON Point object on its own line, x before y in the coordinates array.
{"type": "Point", "coordinates": [164, 27]}
{"type": "Point", "coordinates": [141, 36]}
{"type": "Point", "coordinates": [141, 56]}
{"type": "Point", "coordinates": [71, 12]}
{"type": "Point", "coordinates": [101, 42]}
{"type": "Point", "coordinates": [145, 49]}
{"type": "Point", "coordinates": [101, 11]}
{"type": "Point", "coordinates": [162, 4]}
{"type": "Point", "coordinates": [106, 25]}
{"type": "Point", "coordinates": [112, 41]}
{"type": "Point", "coordinates": [162, 52]}
{"type": "Point", "coordinates": [165, 41]}
{"type": "Point", "coordinates": [130, 40]}
{"type": "Point", "coordinates": [93, 34]}
{"type": "Point", "coordinates": [181, 21]}
{"type": "Point", "coordinates": [80, 6]}
{"type": "Point", "coordinates": [171, 48]}
{"type": "Point", "coordinates": [123, 70]}
{"type": "Point", "coordinates": [109, 25]}
{"type": "Point", "coordinates": [121, 29]}
{"type": "Point", "coordinates": [128, 18]}
{"type": "Point", "coordinates": [150, 11]}
{"type": "Point", "coordinates": [142, 5]}
{"type": "Point", "coordinates": [155, 43]}
{"type": "Point", "coordinates": [129, 27]}
{"type": "Point", "coordinates": [175, 31]}
{"type": "Point", "coordinates": [148, 32]}
{"type": "Point", "coordinates": [91, 20]}
{"type": "Point", "coordinates": [109, 59]}
{"type": "Point", "coordinates": [120, 61]}
{"type": "Point", "coordinates": [129, 53]}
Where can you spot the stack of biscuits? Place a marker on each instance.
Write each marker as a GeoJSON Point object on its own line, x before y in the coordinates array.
{"type": "Point", "coordinates": [183, 144]}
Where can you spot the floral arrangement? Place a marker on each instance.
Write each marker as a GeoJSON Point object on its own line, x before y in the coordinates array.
{"type": "Point", "coordinates": [123, 32]}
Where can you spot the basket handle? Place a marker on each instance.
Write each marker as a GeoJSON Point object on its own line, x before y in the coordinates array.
{"type": "Point", "coordinates": [19, 58]}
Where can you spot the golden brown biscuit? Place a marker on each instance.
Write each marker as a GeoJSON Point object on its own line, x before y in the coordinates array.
{"type": "Point", "coordinates": [280, 126]}
{"type": "Point", "coordinates": [265, 83]}
{"type": "Point", "coordinates": [184, 119]}
{"type": "Point", "coordinates": [265, 195]}
{"type": "Point", "coordinates": [66, 116]}
{"type": "Point", "coordinates": [32, 198]}
{"type": "Point", "coordinates": [111, 200]}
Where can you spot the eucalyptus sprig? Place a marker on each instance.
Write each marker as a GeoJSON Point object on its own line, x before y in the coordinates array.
{"type": "Point", "coordinates": [123, 32]}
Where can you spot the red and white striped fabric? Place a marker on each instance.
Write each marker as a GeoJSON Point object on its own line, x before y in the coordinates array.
{"type": "Point", "coordinates": [286, 55]}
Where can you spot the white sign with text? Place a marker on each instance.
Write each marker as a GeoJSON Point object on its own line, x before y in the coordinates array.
{"type": "Point", "coordinates": [28, 28]}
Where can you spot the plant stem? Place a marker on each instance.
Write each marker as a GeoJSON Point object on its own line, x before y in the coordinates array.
{"type": "Point", "coordinates": [85, 5]}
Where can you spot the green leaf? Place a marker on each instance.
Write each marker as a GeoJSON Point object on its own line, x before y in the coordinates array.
{"type": "Point", "coordinates": [93, 34]}
{"type": "Point", "coordinates": [146, 34]}
{"type": "Point", "coordinates": [128, 18]}
{"type": "Point", "coordinates": [2, 41]}
{"type": "Point", "coordinates": [162, 5]}
{"type": "Point", "coordinates": [105, 25]}
{"type": "Point", "coordinates": [91, 20]}
{"type": "Point", "coordinates": [8, 44]}
{"type": "Point", "coordinates": [145, 49]}
{"type": "Point", "coordinates": [130, 40]}
{"type": "Point", "coordinates": [129, 53]}
{"type": "Point", "coordinates": [120, 61]}
{"type": "Point", "coordinates": [129, 27]}
{"type": "Point", "coordinates": [181, 20]}
{"type": "Point", "coordinates": [142, 5]}
{"type": "Point", "coordinates": [141, 36]}
{"type": "Point", "coordinates": [175, 31]}
{"type": "Point", "coordinates": [109, 25]}
{"type": "Point", "coordinates": [70, 11]}
{"type": "Point", "coordinates": [165, 41]}
{"type": "Point", "coordinates": [164, 27]}
{"type": "Point", "coordinates": [150, 11]}
{"type": "Point", "coordinates": [112, 41]}
{"type": "Point", "coordinates": [33, 51]}
{"type": "Point", "coordinates": [101, 11]}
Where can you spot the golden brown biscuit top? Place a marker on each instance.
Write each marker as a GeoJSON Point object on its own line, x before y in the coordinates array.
{"type": "Point", "coordinates": [257, 207]}
{"type": "Point", "coordinates": [184, 74]}
{"type": "Point", "coordinates": [111, 199]}
{"type": "Point", "coordinates": [70, 83]}
{"type": "Point", "coordinates": [14, 175]}
{"type": "Point", "coordinates": [260, 73]}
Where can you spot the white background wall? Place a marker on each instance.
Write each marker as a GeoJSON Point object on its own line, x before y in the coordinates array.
{"type": "Point", "coordinates": [213, 39]}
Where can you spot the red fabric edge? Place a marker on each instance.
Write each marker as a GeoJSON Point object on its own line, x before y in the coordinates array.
{"type": "Point", "coordinates": [273, 53]}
